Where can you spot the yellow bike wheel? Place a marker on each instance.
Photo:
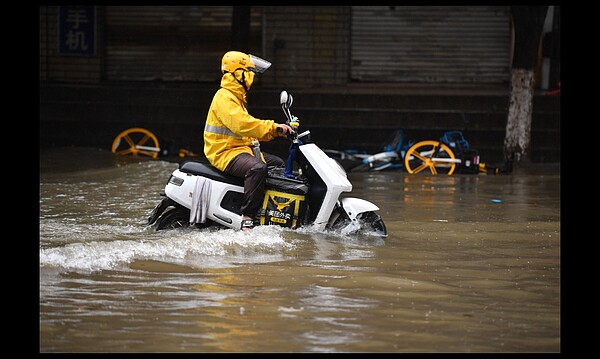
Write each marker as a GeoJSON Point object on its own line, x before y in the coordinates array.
{"type": "Point", "coordinates": [430, 155]}
{"type": "Point", "coordinates": [136, 141]}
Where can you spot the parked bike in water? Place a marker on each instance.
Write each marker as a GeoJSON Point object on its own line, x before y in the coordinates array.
{"type": "Point", "coordinates": [306, 193]}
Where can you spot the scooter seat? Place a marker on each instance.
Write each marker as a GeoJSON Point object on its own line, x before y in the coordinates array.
{"type": "Point", "coordinates": [206, 170]}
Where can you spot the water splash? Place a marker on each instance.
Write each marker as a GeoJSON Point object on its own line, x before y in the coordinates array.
{"type": "Point", "coordinates": [169, 246]}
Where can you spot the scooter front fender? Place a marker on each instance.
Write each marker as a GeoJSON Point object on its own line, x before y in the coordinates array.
{"type": "Point", "coordinates": [355, 206]}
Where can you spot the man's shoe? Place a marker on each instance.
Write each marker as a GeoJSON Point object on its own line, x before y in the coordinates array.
{"type": "Point", "coordinates": [247, 224]}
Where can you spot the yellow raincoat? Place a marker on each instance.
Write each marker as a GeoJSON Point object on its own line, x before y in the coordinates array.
{"type": "Point", "coordinates": [229, 128]}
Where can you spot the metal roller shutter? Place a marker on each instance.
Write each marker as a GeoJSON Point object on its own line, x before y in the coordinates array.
{"type": "Point", "coordinates": [430, 44]}
{"type": "Point", "coordinates": [169, 43]}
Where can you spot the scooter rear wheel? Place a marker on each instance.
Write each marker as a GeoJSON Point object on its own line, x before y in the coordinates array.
{"type": "Point", "coordinates": [174, 218]}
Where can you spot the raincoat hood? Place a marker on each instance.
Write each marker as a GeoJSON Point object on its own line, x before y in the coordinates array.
{"type": "Point", "coordinates": [229, 82]}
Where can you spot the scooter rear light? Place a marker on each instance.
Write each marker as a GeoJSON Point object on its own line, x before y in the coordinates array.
{"type": "Point", "coordinates": [176, 180]}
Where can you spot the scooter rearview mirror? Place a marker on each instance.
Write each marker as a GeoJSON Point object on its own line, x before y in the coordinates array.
{"type": "Point", "coordinates": [283, 96]}
{"type": "Point", "coordinates": [285, 99]}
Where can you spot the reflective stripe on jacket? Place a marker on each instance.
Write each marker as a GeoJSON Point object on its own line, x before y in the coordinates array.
{"type": "Point", "coordinates": [229, 128]}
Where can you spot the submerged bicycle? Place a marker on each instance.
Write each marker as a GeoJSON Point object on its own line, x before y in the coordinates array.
{"type": "Point", "coordinates": [138, 141]}
{"type": "Point", "coordinates": [451, 154]}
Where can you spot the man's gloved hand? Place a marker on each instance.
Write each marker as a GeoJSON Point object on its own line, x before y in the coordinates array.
{"type": "Point", "coordinates": [284, 130]}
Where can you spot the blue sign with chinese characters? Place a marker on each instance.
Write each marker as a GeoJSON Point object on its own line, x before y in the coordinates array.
{"type": "Point", "coordinates": [77, 30]}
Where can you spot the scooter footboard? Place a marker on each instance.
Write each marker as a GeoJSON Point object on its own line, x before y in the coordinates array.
{"type": "Point", "coordinates": [355, 206]}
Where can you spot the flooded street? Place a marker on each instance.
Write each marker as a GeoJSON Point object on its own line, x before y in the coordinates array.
{"type": "Point", "coordinates": [471, 264]}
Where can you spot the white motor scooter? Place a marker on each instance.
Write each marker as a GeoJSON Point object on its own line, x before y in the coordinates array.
{"type": "Point", "coordinates": [307, 193]}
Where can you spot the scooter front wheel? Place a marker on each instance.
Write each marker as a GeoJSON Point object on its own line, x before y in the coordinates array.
{"type": "Point", "coordinates": [369, 223]}
{"type": "Point", "coordinates": [372, 223]}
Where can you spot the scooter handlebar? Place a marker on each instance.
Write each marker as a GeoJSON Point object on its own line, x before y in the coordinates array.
{"type": "Point", "coordinates": [290, 136]}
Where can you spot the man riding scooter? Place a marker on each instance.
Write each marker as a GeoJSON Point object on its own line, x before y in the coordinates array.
{"type": "Point", "coordinates": [232, 135]}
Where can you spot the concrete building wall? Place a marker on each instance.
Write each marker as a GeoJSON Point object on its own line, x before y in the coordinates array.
{"type": "Point", "coordinates": [308, 45]}
{"type": "Point", "coordinates": [84, 104]}
{"type": "Point", "coordinates": [55, 67]}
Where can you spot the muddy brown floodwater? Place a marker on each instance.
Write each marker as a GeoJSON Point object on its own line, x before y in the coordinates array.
{"type": "Point", "coordinates": [471, 264]}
